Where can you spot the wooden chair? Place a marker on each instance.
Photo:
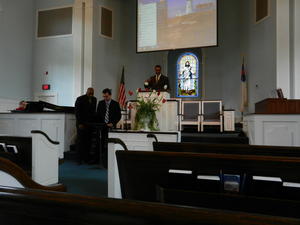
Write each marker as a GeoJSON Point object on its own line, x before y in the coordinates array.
{"type": "Point", "coordinates": [121, 123]}
{"type": "Point", "coordinates": [190, 114]}
{"type": "Point", "coordinates": [211, 114]}
{"type": "Point", "coordinates": [129, 116]}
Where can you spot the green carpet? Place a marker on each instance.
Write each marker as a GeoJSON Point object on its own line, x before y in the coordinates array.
{"type": "Point", "coordinates": [88, 180]}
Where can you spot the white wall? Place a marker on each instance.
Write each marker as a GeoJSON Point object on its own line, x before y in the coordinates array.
{"type": "Point", "coordinates": [222, 64]}
{"type": "Point", "coordinates": [16, 28]}
{"type": "Point", "coordinates": [259, 48]}
{"type": "Point", "coordinates": [54, 55]}
{"type": "Point", "coordinates": [283, 47]}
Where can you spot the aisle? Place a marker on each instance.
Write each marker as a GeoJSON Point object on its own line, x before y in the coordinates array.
{"type": "Point", "coordinates": [88, 180]}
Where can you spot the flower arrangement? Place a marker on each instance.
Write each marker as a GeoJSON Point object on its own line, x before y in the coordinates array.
{"type": "Point", "coordinates": [146, 107]}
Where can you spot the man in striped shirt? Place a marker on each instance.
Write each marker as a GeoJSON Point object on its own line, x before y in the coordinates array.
{"type": "Point", "coordinates": [108, 112]}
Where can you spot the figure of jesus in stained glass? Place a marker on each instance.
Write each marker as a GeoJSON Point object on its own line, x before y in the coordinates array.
{"type": "Point", "coordinates": [187, 75]}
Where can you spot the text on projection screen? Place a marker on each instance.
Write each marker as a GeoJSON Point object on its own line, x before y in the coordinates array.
{"type": "Point", "coordinates": [175, 24]}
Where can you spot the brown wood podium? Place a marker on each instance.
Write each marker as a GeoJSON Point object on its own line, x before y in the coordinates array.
{"type": "Point", "coordinates": [278, 106]}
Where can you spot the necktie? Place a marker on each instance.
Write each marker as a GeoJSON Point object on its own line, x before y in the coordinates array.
{"type": "Point", "coordinates": [107, 113]}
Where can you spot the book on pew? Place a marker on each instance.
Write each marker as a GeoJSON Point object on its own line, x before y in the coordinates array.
{"type": "Point", "coordinates": [231, 182]}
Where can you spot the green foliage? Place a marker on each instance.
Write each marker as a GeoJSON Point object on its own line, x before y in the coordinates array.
{"type": "Point", "coordinates": [146, 113]}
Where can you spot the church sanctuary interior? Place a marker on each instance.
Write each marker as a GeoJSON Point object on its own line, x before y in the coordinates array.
{"type": "Point", "coordinates": [150, 112]}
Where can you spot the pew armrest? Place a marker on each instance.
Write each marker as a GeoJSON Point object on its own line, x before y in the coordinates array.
{"type": "Point", "coordinates": [152, 136]}
{"type": "Point", "coordinates": [22, 179]}
{"type": "Point", "coordinates": [45, 135]}
{"type": "Point", "coordinates": [118, 141]}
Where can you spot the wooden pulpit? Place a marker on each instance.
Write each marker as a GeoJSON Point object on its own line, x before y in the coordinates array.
{"type": "Point", "coordinates": [278, 106]}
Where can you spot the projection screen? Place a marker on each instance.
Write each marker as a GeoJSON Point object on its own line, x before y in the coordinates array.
{"type": "Point", "coordinates": [176, 24]}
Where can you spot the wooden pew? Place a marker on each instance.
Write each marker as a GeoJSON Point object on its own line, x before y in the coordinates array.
{"type": "Point", "coordinates": [141, 173]}
{"type": "Point", "coordinates": [227, 149]}
{"type": "Point", "coordinates": [24, 146]}
{"type": "Point", "coordinates": [32, 207]}
{"type": "Point", "coordinates": [37, 155]}
{"type": "Point", "coordinates": [14, 176]}
{"type": "Point", "coordinates": [289, 192]}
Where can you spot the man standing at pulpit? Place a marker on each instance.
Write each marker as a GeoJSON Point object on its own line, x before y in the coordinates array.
{"type": "Point", "coordinates": [157, 82]}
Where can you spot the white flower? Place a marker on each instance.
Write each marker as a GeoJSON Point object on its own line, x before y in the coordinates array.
{"type": "Point", "coordinates": [166, 87]}
{"type": "Point", "coordinates": [154, 91]}
{"type": "Point", "coordinates": [146, 83]}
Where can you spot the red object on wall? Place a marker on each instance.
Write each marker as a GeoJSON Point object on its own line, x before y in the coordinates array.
{"type": "Point", "coordinates": [46, 87]}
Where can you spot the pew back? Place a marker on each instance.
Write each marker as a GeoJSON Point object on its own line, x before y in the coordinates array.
{"type": "Point", "coordinates": [230, 201]}
{"type": "Point", "coordinates": [240, 149]}
{"type": "Point", "coordinates": [31, 207]}
{"type": "Point", "coordinates": [141, 172]}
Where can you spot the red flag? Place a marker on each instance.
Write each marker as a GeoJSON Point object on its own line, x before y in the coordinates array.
{"type": "Point", "coordinates": [122, 92]}
{"type": "Point", "coordinates": [243, 72]}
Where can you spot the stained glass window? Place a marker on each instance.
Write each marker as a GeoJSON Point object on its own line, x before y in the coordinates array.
{"type": "Point", "coordinates": [187, 76]}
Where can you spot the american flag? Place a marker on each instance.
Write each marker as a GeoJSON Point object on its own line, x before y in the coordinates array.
{"type": "Point", "coordinates": [122, 93]}
{"type": "Point", "coordinates": [244, 88]}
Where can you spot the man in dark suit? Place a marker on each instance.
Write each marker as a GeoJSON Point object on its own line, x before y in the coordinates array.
{"type": "Point", "coordinates": [109, 113]}
{"type": "Point", "coordinates": [158, 82]}
{"type": "Point", "coordinates": [85, 110]}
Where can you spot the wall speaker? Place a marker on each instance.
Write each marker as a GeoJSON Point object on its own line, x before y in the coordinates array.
{"type": "Point", "coordinates": [106, 22]}
{"type": "Point", "coordinates": [262, 10]}
{"type": "Point", "coordinates": [55, 22]}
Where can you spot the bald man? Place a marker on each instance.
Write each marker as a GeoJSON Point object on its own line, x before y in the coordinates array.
{"type": "Point", "coordinates": [85, 110]}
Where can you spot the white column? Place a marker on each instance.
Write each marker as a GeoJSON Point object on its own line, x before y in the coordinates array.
{"type": "Point", "coordinates": [78, 31]}
{"type": "Point", "coordinates": [83, 45]}
{"type": "Point", "coordinates": [283, 46]}
{"type": "Point", "coordinates": [88, 43]}
{"type": "Point", "coordinates": [296, 48]}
